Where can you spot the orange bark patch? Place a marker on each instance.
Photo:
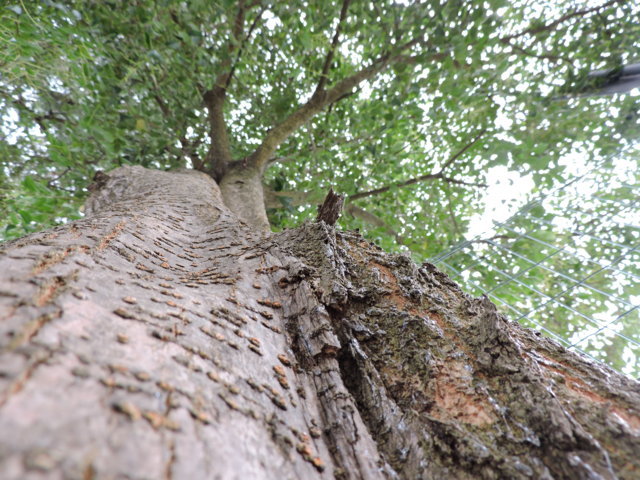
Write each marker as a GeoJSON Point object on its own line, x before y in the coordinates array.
{"type": "Point", "coordinates": [30, 329]}
{"type": "Point", "coordinates": [632, 421]}
{"type": "Point", "coordinates": [51, 258]}
{"type": "Point", "coordinates": [48, 291]}
{"type": "Point", "coordinates": [401, 302]}
{"type": "Point", "coordinates": [456, 399]}
{"type": "Point", "coordinates": [578, 387]}
{"type": "Point", "coordinates": [395, 297]}
{"type": "Point", "coordinates": [17, 385]}
{"type": "Point", "coordinates": [107, 239]}
{"type": "Point", "coordinates": [438, 319]}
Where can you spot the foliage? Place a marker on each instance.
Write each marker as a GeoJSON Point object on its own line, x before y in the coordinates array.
{"type": "Point", "coordinates": [88, 85]}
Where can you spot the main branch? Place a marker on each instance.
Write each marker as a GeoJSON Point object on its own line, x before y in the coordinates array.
{"type": "Point", "coordinates": [219, 154]}
{"type": "Point", "coordinates": [278, 134]}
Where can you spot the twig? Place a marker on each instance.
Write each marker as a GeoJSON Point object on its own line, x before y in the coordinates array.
{"type": "Point", "coordinates": [374, 220]}
{"type": "Point", "coordinates": [460, 152]}
{"type": "Point", "coordinates": [430, 176]}
{"type": "Point", "coordinates": [241, 49]}
{"type": "Point", "coordinates": [332, 48]}
{"type": "Point", "coordinates": [279, 133]}
{"type": "Point", "coordinates": [51, 182]}
{"type": "Point", "coordinates": [551, 26]}
{"type": "Point", "coordinates": [552, 58]}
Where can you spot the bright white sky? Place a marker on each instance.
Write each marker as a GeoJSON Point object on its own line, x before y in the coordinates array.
{"type": "Point", "coordinates": [509, 191]}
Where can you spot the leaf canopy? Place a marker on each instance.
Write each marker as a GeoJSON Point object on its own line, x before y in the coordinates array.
{"type": "Point", "coordinates": [466, 86]}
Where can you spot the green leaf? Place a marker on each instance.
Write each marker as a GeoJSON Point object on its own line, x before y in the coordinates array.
{"type": "Point", "coordinates": [29, 184]}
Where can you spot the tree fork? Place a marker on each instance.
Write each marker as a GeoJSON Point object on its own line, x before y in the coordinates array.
{"type": "Point", "coordinates": [160, 337]}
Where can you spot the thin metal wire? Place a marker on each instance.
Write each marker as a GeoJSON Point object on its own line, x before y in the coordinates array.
{"type": "Point", "coordinates": [466, 243]}
{"type": "Point", "coordinates": [592, 221]}
{"type": "Point", "coordinates": [528, 206]}
{"type": "Point", "coordinates": [560, 274]}
{"type": "Point", "coordinates": [560, 249]}
{"type": "Point", "coordinates": [610, 200]}
{"type": "Point", "coordinates": [615, 260]}
{"type": "Point", "coordinates": [555, 300]}
{"type": "Point", "coordinates": [521, 213]}
{"type": "Point", "coordinates": [538, 325]}
{"type": "Point", "coordinates": [535, 264]}
{"type": "Point", "coordinates": [606, 326]}
{"type": "Point", "coordinates": [581, 257]}
{"type": "Point", "coordinates": [600, 239]}
{"type": "Point", "coordinates": [508, 305]}
{"type": "Point", "coordinates": [597, 216]}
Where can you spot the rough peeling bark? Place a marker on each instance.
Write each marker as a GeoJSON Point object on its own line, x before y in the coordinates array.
{"type": "Point", "coordinates": [160, 337]}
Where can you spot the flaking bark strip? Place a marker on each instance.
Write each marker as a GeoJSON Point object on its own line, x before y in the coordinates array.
{"type": "Point", "coordinates": [331, 208]}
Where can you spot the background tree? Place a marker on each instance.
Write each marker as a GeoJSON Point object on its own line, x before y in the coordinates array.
{"type": "Point", "coordinates": [168, 334]}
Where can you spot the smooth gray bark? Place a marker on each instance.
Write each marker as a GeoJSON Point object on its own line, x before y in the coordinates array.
{"type": "Point", "coordinates": [161, 337]}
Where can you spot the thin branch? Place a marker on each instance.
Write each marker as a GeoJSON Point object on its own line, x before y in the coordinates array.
{"type": "Point", "coordinates": [236, 43]}
{"type": "Point", "coordinates": [166, 113]}
{"type": "Point", "coordinates": [295, 199]}
{"type": "Point", "coordinates": [461, 182]}
{"type": "Point", "coordinates": [332, 49]}
{"type": "Point", "coordinates": [219, 155]}
{"type": "Point", "coordinates": [549, 57]}
{"type": "Point", "coordinates": [374, 220]}
{"type": "Point", "coordinates": [488, 240]}
{"type": "Point", "coordinates": [51, 182]}
{"type": "Point", "coordinates": [460, 152]}
{"type": "Point", "coordinates": [242, 45]}
{"type": "Point", "coordinates": [413, 181]}
{"type": "Point", "coordinates": [271, 198]}
{"type": "Point", "coordinates": [452, 215]}
{"type": "Point", "coordinates": [334, 142]}
{"type": "Point", "coordinates": [378, 191]}
{"type": "Point", "coordinates": [40, 119]}
{"type": "Point", "coordinates": [189, 148]}
{"type": "Point", "coordinates": [430, 176]}
{"type": "Point", "coordinates": [552, 26]}
{"type": "Point", "coordinates": [305, 198]}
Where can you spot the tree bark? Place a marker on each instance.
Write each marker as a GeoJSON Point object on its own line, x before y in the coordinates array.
{"type": "Point", "coordinates": [161, 337]}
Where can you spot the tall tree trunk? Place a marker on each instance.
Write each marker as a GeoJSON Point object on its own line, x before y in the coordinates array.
{"type": "Point", "coordinates": [161, 337]}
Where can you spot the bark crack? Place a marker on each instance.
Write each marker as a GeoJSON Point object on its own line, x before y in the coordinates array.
{"type": "Point", "coordinates": [18, 384]}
